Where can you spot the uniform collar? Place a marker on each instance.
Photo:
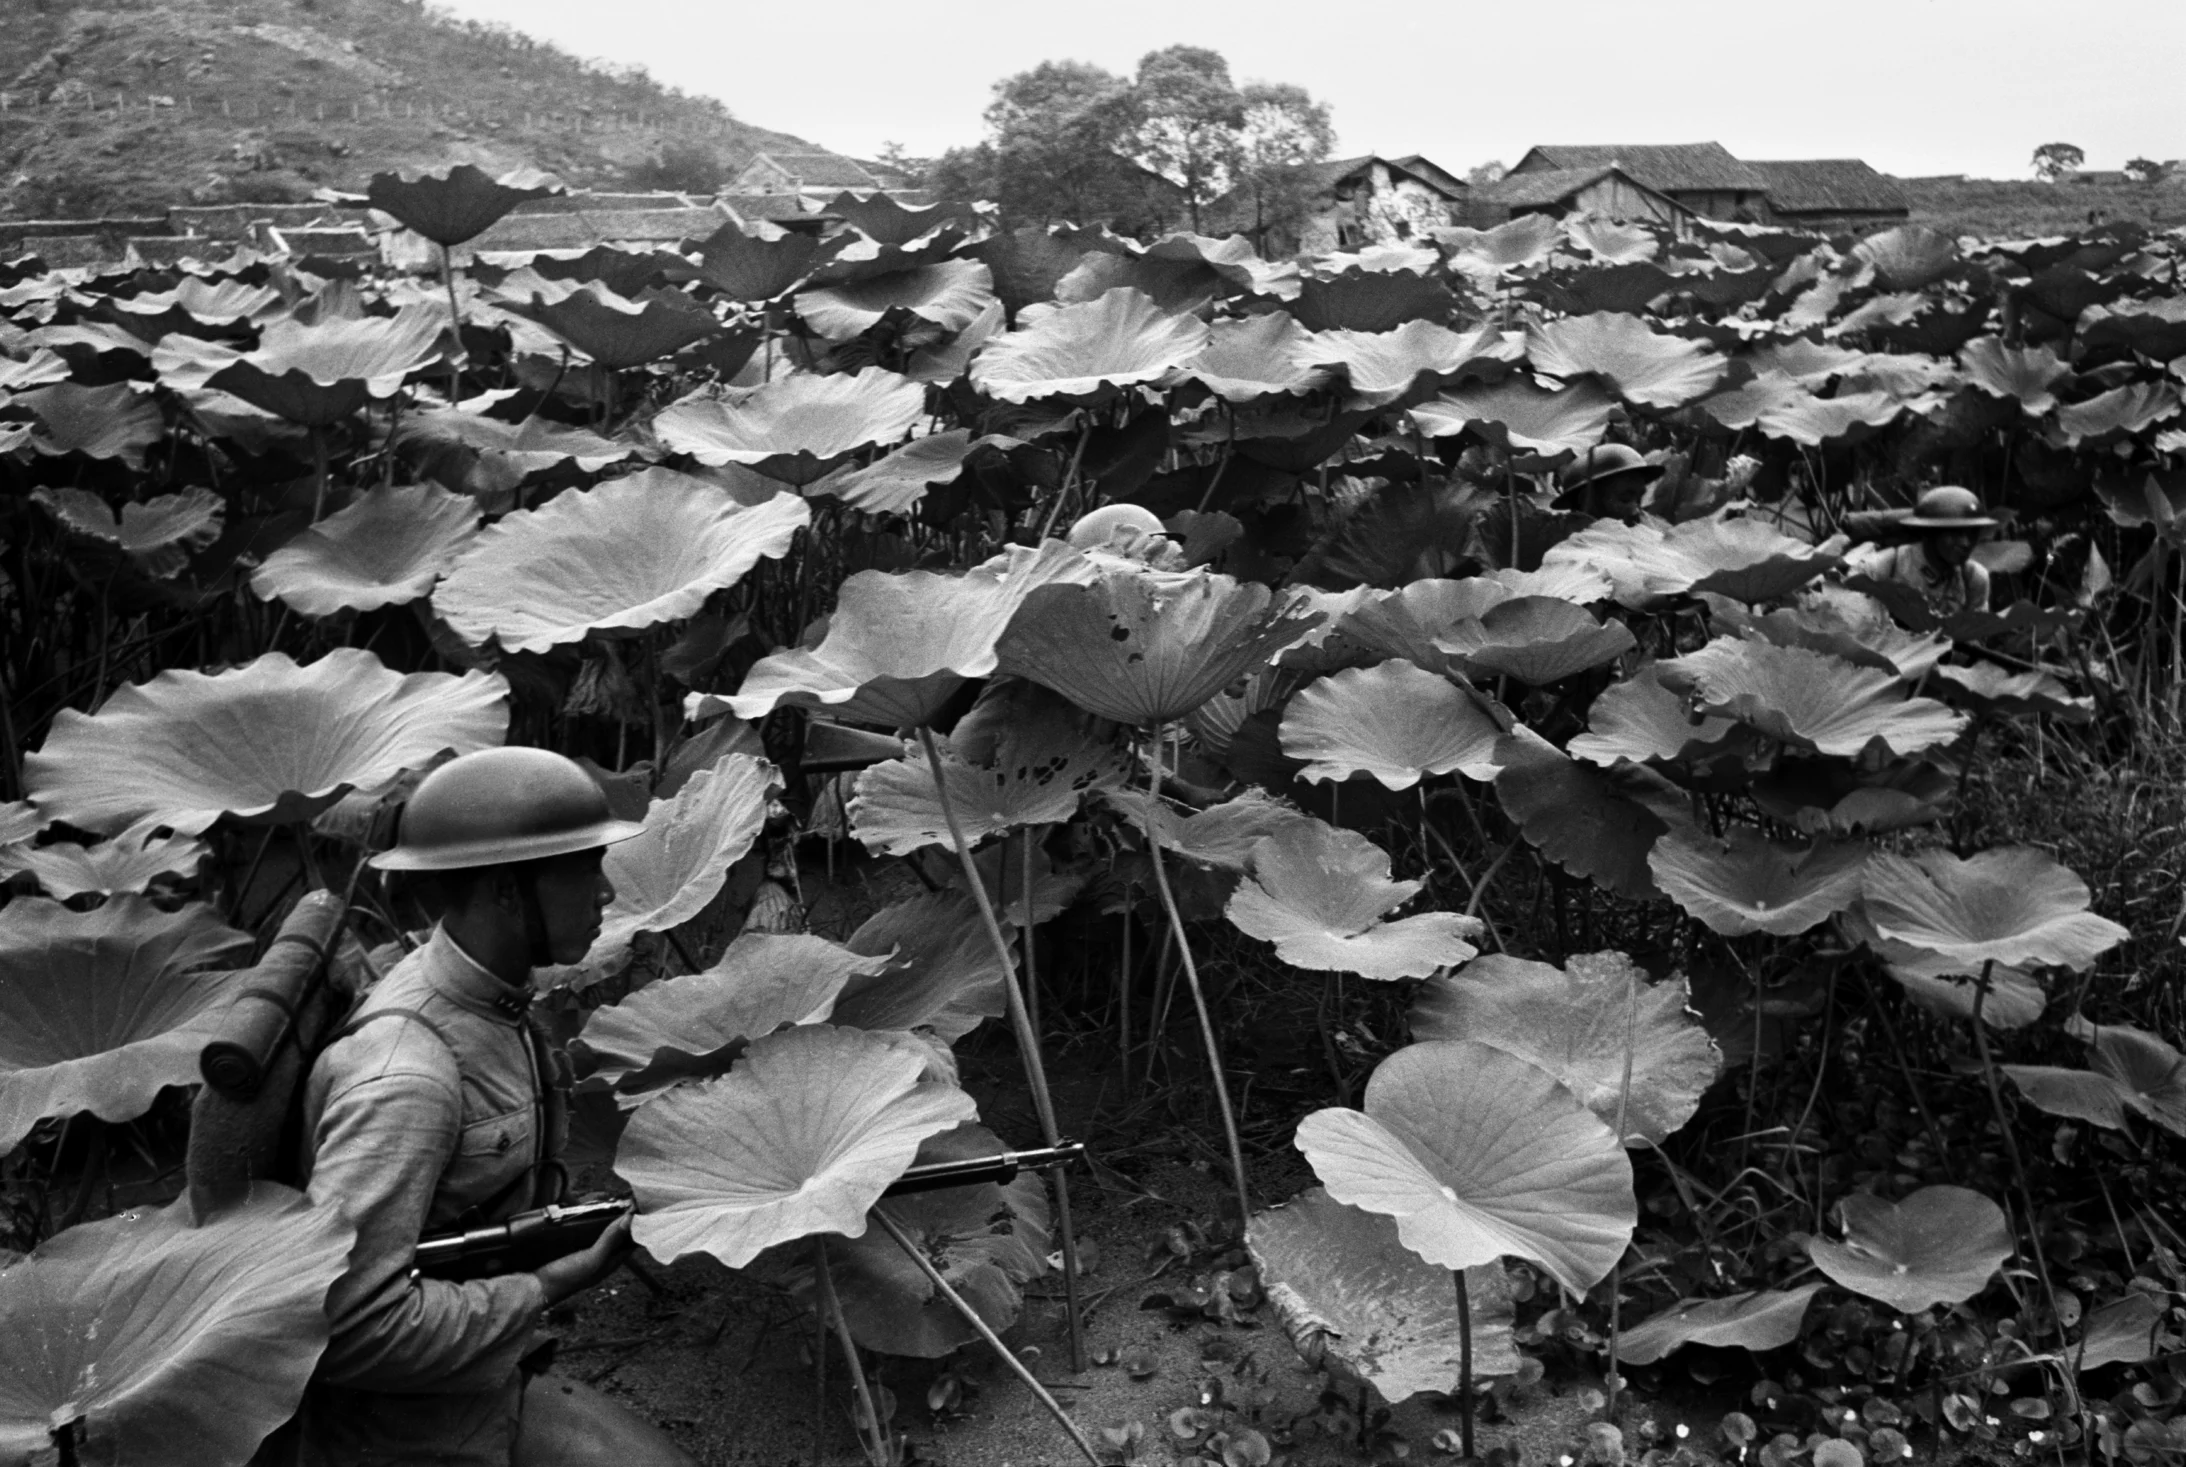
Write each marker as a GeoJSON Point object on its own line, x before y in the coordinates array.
{"type": "Point", "coordinates": [459, 977]}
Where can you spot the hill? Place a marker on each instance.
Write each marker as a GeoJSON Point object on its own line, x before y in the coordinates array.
{"type": "Point", "coordinates": [123, 107]}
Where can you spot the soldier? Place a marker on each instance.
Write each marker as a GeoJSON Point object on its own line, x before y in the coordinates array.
{"type": "Point", "coordinates": [1608, 482]}
{"type": "Point", "coordinates": [437, 1108]}
{"type": "Point", "coordinates": [1938, 563]}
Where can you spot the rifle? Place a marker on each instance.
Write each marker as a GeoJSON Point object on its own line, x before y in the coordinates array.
{"type": "Point", "coordinates": [531, 1239]}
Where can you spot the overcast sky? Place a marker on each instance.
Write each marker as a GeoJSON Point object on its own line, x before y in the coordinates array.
{"type": "Point", "coordinates": [1913, 86]}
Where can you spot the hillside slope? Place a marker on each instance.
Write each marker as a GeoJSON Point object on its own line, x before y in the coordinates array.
{"type": "Point", "coordinates": [266, 100]}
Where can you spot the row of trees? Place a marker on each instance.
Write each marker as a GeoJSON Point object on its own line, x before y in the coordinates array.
{"type": "Point", "coordinates": [1180, 143]}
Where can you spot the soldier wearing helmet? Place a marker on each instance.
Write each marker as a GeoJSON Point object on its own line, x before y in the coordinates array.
{"type": "Point", "coordinates": [1947, 522]}
{"type": "Point", "coordinates": [437, 1107]}
{"type": "Point", "coordinates": [1608, 482]}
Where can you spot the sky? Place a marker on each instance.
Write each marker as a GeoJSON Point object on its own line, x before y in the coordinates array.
{"type": "Point", "coordinates": [1912, 86]}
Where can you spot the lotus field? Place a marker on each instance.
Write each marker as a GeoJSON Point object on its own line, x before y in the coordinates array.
{"type": "Point", "coordinates": [1644, 931]}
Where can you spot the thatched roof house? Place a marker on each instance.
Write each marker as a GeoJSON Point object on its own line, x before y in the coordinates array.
{"type": "Point", "coordinates": [1702, 177]}
{"type": "Point", "coordinates": [1831, 193]}
{"type": "Point", "coordinates": [1607, 192]}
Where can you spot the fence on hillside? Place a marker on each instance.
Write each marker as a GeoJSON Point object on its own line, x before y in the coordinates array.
{"type": "Point", "coordinates": [24, 107]}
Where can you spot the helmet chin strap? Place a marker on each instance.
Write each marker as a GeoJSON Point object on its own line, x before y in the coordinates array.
{"type": "Point", "coordinates": [536, 940]}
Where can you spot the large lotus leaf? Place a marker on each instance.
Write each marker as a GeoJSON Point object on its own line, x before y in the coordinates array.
{"type": "Point", "coordinates": [1814, 421]}
{"type": "Point", "coordinates": [1909, 257]}
{"type": "Point", "coordinates": [800, 1138]}
{"type": "Point", "coordinates": [1323, 896]}
{"type": "Point", "coordinates": [760, 267]}
{"type": "Point", "coordinates": [888, 220]}
{"type": "Point", "coordinates": [693, 1025]}
{"type": "Point", "coordinates": [899, 645]}
{"type": "Point", "coordinates": [315, 374]}
{"type": "Point", "coordinates": [1536, 640]}
{"type": "Point", "coordinates": [103, 1008]}
{"type": "Point", "coordinates": [455, 206]}
{"type": "Point", "coordinates": [1640, 720]}
{"type": "Point", "coordinates": [1991, 689]}
{"type": "Point", "coordinates": [1842, 623]}
{"type": "Point", "coordinates": [1746, 882]}
{"type": "Point", "coordinates": [2122, 412]}
{"type": "Point", "coordinates": [387, 548]}
{"type": "Point", "coordinates": [42, 368]}
{"type": "Point", "coordinates": [1384, 367]}
{"type": "Point", "coordinates": [113, 421]}
{"type": "Point", "coordinates": [895, 483]}
{"type": "Point", "coordinates": [1369, 299]}
{"type": "Point", "coordinates": [1478, 1154]}
{"type": "Point", "coordinates": [1259, 356]}
{"type": "Point", "coordinates": [19, 821]}
{"type": "Point", "coordinates": [627, 555]}
{"type": "Point", "coordinates": [1746, 403]}
{"type": "Point", "coordinates": [1638, 363]}
{"type": "Point", "coordinates": [1743, 559]}
{"type": "Point", "coordinates": [950, 294]}
{"type": "Point", "coordinates": [619, 333]}
{"type": "Point", "coordinates": [1810, 699]}
{"type": "Point", "coordinates": [1393, 721]}
{"type": "Point", "coordinates": [1039, 772]}
{"type": "Point", "coordinates": [1354, 1299]}
{"type": "Point", "coordinates": [2013, 905]}
{"type": "Point", "coordinates": [1811, 364]}
{"type": "Point", "coordinates": [1142, 649]}
{"type": "Point", "coordinates": [1768, 1319]}
{"type": "Point", "coordinates": [170, 1339]}
{"type": "Point", "coordinates": [987, 1240]}
{"type": "Point", "coordinates": [2130, 1070]}
{"type": "Point", "coordinates": [2015, 998]}
{"type": "Point", "coordinates": [1411, 621]}
{"type": "Point", "coordinates": [268, 739]}
{"type": "Point", "coordinates": [1569, 420]}
{"type": "Point", "coordinates": [1580, 1023]}
{"type": "Point", "coordinates": [797, 428]}
{"type": "Point", "coordinates": [1940, 1245]}
{"type": "Point", "coordinates": [1221, 836]}
{"type": "Point", "coordinates": [1485, 254]}
{"type": "Point", "coordinates": [1088, 351]}
{"type": "Point", "coordinates": [1610, 241]}
{"type": "Point", "coordinates": [2028, 375]}
{"type": "Point", "coordinates": [665, 875]}
{"type": "Point", "coordinates": [943, 975]}
{"type": "Point", "coordinates": [158, 533]}
{"type": "Point", "coordinates": [1592, 822]}
{"type": "Point", "coordinates": [129, 861]}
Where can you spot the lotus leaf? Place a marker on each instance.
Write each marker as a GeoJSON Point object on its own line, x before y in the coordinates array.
{"type": "Point", "coordinates": [129, 861]}
{"type": "Point", "coordinates": [1579, 1023]}
{"type": "Point", "coordinates": [1593, 822]}
{"type": "Point", "coordinates": [1037, 776]}
{"type": "Point", "coordinates": [2015, 999]}
{"type": "Point", "coordinates": [797, 428]}
{"type": "Point", "coordinates": [1385, 367]}
{"type": "Point", "coordinates": [1581, 585]}
{"type": "Point", "coordinates": [1841, 622]}
{"type": "Point", "coordinates": [987, 1240]}
{"type": "Point", "coordinates": [1637, 362]}
{"type": "Point", "coordinates": [1810, 699]}
{"type": "Point", "coordinates": [1640, 720]}
{"type": "Point", "coordinates": [1323, 896]}
{"type": "Point", "coordinates": [2126, 1331]}
{"type": "Point", "coordinates": [1744, 405]}
{"type": "Point", "coordinates": [1478, 1154]}
{"type": "Point", "coordinates": [763, 266]}
{"type": "Point", "coordinates": [1745, 882]}
{"type": "Point", "coordinates": [1260, 356]}
{"type": "Point", "coordinates": [105, 1008]}
{"type": "Point", "coordinates": [1567, 421]}
{"type": "Point", "coordinates": [1142, 649]}
{"type": "Point", "coordinates": [1814, 421]}
{"type": "Point", "coordinates": [455, 206]}
{"type": "Point", "coordinates": [315, 374]}
{"type": "Point", "coordinates": [114, 421]}
{"type": "Point", "coordinates": [1536, 640]}
{"type": "Point", "coordinates": [2130, 1070]}
{"type": "Point", "coordinates": [896, 483]}
{"type": "Point", "coordinates": [170, 1339]}
{"type": "Point", "coordinates": [627, 555]}
{"type": "Point", "coordinates": [1993, 690]}
{"type": "Point", "coordinates": [1909, 257]}
{"type": "Point", "coordinates": [2013, 905]}
{"type": "Point", "coordinates": [665, 875]}
{"type": "Point", "coordinates": [943, 975]}
{"type": "Point", "coordinates": [2119, 413]}
{"type": "Point", "coordinates": [693, 1025]}
{"type": "Point", "coordinates": [1767, 1319]}
{"type": "Point", "coordinates": [1395, 722]}
{"type": "Point", "coordinates": [1354, 1299]}
{"type": "Point", "coordinates": [158, 534]}
{"type": "Point", "coordinates": [1743, 559]}
{"type": "Point", "coordinates": [889, 221]}
{"type": "Point", "coordinates": [800, 1138]}
{"type": "Point", "coordinates": [619, 333]}
{"type": "Point", "coordinates": [1088, 351]}
{"type": "Point", "coordinates": [1368, 300]}
{"type": "Point", "coordinates": [1221, 836]}
{"type": "Point", "coordinates": [1485, 254]}
{"type": "Point", "coordinates": [950, 294]}
{"type": "Point", "coordinates": [898, 646]}
{"type": "Point", "coordinates": [19, 821]}
{"type": "Point", "coordinates": [387, 548]}
{"type": "Point", "coordinates": [1940, 1245]}
{"type": "Point", "coordinates": [41, 369]}
{"type": "Point", "coordinates": [267, 740]}
{"type": "Point", "coordinates": [2028, 375]}
{"type": "Point", "coordinates": [1610, 241]}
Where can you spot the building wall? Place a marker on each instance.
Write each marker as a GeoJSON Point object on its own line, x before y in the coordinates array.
{"type": "Point", "coordinates": [1614, 198]}
{"type": "Point", "coordinates": [1724, 203]}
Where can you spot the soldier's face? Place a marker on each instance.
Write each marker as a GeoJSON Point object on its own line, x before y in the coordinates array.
{"type": "Point", "coordinates": [1952, 547]}
{"type": "Point", "coordinates": [573, 893]}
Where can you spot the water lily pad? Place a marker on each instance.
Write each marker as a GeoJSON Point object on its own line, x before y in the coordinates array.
{"type": "Point", "coordinates": [1940, 1245]}
{"type": "Point", "coordinates": [665, 875]}
{"type": "Point", "coordinates": [1744, 882]}
{"type": "Point", "coordinates": [157, 533]}
{"type": "Point", "coordinates": [2011, 905]}
{"type": "Point", "coordinates": [1089, 351]}
{"type": "Point", "coordinates": [1478, 1154]}
{"type": "Point", "coordinates": [385, 549]}
{"type": "Point", "coordinates": [102, 1009]}
{"type": "Point", "coordinates": [1766, 1319]}
{"type": "Point", "coordinates": [796, 428]}
{"type": "Point", "coordinates": [169, 1339]}
{"type": "Point", "coordinates": [1809, 699]}
{"type": "Point", "coordinates": [1637, 362]}
{"type": "Point", "coordinates": [1323, 896]}
{"type": "Point", "coordinates": [268, 740]}
{"type": "Point", "coordinates": [1579, 1022]}
{"type": "Point", "coordinates": [1394, 721]}
{"type": "Point", "coordinates": [800, 1138]}
{"type": "Point", "coordinates": [1354, 1299]}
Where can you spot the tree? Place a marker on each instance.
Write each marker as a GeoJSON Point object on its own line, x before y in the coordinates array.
{"type": "Point", "coordinates": [1052, 151]}
{"type": "Point", "coordinates": [1284, 132]}
{"type": "Point", "coordinates": [1187, 122]}
{"type": "Point", "coordinates": [2053, 161]}
{"type": "Point", "coordinates": [1492, 171]}
{"type": "Point", "coordinates": [2147, 170]}
{"type": "Point", "coordinates": [681, 166]}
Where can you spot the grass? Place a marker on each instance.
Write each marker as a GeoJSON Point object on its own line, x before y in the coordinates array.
{"type": "Point", "coordinates": [2001, 208]}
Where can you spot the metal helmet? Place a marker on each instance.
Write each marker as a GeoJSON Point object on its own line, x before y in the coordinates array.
{"type": "Point", "coordinates": [1102, 526]}
{"type": "Point", "coordinates": [1601, 465]}
{"type": "Point", "coordinates": [1947, 507]}
{"type": "Point", "coordinates": [499, 806]}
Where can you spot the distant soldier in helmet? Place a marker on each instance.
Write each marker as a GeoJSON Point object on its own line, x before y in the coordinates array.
{"type": "Point", "coordinates": [437, 1108]}
{"type": "Point", "coordinates": [1608, 483]}
{"type": "Point", "coordinates": [1946, 522]}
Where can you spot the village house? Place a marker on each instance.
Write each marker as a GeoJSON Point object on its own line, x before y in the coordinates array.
{"type": "Point", "coordinates": [813, 175]}
{"type": "Point", "coordinates": [1831, 194]}
{"type": "Point", "coordinates": [1703, 178]}
{"type": "Point", "coordinates": [1606, 192]}
{"type": "Point", "coordinates": [1343, 204]}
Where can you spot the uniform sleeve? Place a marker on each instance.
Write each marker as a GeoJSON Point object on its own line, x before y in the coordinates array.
{"type": "Point", "coordinates": [1977, 586]}
{"type": "Point", "coordinates": [380, 1147]}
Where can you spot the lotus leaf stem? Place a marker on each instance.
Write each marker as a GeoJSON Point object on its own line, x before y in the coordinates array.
{"type": "Point", "coordinates": [1191, 981]}
{"type": "Point", "coordinates": [1070, 480]}
{"type": "Point", "coordinates": [971, 1317]}
{"type": "Point", "coordinates": [1465, 1364]}
{"type": "Point", "coordinates": [2011, 1147]}
{"type": "Point", "coordinates": [1624, 1103]}
{"type": "Point", "coordinates": [1487, 877]}
{"type": "Point", "coordinates": [871, 1433]}
{"type": "Point", "coordinates": [1028, 1039]}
